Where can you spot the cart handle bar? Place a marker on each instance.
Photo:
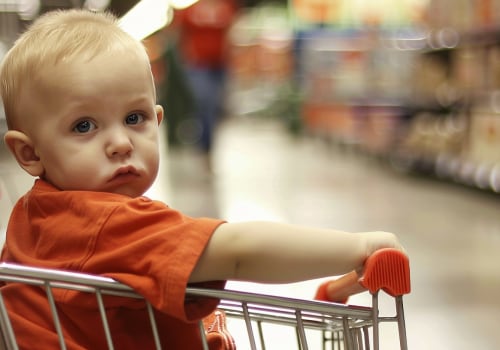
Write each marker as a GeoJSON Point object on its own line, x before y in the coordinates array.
{"type": "Point", "coordinates": [386, 269]}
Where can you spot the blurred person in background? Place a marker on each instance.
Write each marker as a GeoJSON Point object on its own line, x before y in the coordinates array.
{"type": "Point", "coordinates": [202, 31]}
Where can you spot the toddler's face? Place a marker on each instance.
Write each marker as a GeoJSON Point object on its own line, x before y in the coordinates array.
{"type": "Point", "coordinates": [96, 124]}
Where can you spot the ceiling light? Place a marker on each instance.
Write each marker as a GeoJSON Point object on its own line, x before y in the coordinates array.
{"type": "Point", "coordinates": [146, 17]}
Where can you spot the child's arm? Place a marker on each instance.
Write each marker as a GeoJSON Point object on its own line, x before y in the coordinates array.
{"type": "Point", "coordinates": [278, 253]}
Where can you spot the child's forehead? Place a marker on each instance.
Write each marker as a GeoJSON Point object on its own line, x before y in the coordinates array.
{"type": "Point", "coordinates": [113, 70]}
{"type": "Point", "coordinates": [87, 52]}
{"type": "Point", "coordinates": [53, 42]}
{"type": "Point", "coordinates": [57, 41]}
{"type": "Point", "coordinates": [75, 84]}
{"type": "Point", "coordinates": [38, 60]}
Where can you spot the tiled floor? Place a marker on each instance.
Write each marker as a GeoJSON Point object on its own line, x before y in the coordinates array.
{"type": "Point", "coordinates": [452, 234]}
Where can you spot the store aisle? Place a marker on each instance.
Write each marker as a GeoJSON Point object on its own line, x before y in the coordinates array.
{"type": "Point", "coordinates": [451, 233]}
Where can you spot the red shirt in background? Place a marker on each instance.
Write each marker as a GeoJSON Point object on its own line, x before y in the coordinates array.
{"type": "Point", "coordinates": [203, 29]}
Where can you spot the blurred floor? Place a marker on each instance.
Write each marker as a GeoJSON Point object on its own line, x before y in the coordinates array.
{"type": "Point", "coordinates": [258, 171]}
{"type": "Point", "coordinates": [451, 233]}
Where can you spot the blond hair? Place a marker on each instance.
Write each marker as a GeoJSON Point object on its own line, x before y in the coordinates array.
{"type": "Point", "coordinates": [53, 38]}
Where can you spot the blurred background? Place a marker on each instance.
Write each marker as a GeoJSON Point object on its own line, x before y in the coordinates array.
{"type": "Point", "coordinates": [353, 114]}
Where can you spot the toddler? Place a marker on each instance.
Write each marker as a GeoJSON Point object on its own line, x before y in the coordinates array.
{"type": "Point", "coordinates": [82, 118]}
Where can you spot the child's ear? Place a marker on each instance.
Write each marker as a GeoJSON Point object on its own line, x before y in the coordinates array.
{"type": "Point", "coordinates": [159, 113]}
{"type": "Point", "coordinates": [23, 150]}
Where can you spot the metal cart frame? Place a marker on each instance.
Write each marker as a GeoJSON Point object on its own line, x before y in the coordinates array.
{"type": "Point", "coordinates": [343, 326]}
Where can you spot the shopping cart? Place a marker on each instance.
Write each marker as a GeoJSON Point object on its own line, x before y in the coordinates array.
{"type": "Point", "coordinates": [341, 326]}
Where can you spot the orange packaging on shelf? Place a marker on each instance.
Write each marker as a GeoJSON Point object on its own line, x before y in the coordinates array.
{"type": "Point", "coordinates": [242, 62]}
{"type": "Point", "coordinates": [329, 119]}
{"type": "Point", "coordinates": [317, 11]}
{"type": "Point", "coordinates": [275, 58]}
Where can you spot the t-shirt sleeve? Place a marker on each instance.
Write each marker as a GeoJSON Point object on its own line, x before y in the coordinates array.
{"type": "Point", "coordinates": [154, 249]}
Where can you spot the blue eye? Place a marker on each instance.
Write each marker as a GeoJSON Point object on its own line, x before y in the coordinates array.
{"type": "Point", "coordinates": [84, 126]}
{"type": "Point", "coordinates": [134, 118]}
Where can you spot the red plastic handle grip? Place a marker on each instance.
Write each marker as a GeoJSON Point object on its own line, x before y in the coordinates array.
{"type": "Point", "coordinates": [389, 270]}
{"type": "Point", "coordinates": [386, 269]}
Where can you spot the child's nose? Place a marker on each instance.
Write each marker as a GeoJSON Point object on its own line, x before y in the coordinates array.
{"type": "Point", "coordinates": [119, 144]}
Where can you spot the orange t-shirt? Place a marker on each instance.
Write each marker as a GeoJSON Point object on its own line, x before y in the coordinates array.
{"type": "Point", "coordinates": [137, 241]}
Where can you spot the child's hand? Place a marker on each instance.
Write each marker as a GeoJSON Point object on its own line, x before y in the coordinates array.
{"type": "Point", "coordinates": [378, 240]}
{"type": "Point", "coordinates": [386, 269]}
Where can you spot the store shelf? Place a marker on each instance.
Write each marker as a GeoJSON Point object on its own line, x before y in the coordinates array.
{"type": "Point", "coordinates": [450, 168]}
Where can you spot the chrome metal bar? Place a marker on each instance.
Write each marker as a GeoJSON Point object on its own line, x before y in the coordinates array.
{"type": "Point", "coordinates": [366, 334]}
{"type": "Point", "coordinates": [325, 339]}
{"type": "Point", "coordinates": [9, 336]}
{"type": "Point", "coordinates": [55, 276]}
{"type": "Point", "coordinates": [347, 334]}
{"type": "Point", "coordinates": [53, 309]}
{"type": "Point", "coordinates": [351, 327]}
{"type": "Point", "coordinates": [354, 337]}
{"type": "Point", "coordinates": [282, 302]}
{"type": "Point", "coordinates": [375, 320]}
{"type": "Point", "coordinates": [248, 323]}
{"type": "Point", "coordinates": [300, 331]}
{"type": "Point", "coordinates": [400, 314]}
{"type": "Point", "coordinates": [261, 335]}
{"type": "Point", "coordinates": [339, 340]}
{"type": "Point", "coordinates": [154, 326]}
{"type": "Point", "coordinates": [203, 335]}
{"type": "Point", "coordinates": [104, 319]}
